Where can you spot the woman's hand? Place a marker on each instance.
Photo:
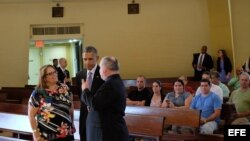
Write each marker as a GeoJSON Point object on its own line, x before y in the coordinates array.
{"type": "Point", "coordinates": [36, 136]}
{"type": "Point", "coordinates": [171, 104]}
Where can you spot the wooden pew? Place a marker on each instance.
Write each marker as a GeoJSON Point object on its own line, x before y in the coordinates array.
{"type": "Point", "coordinates": [19, 124]}
{"type": "Point", "coordinates": [14, 108]}
{"type": "Point", "coordinates": [227, 112]}
{"type": "Point", "coordinates": [145, 126]}
{"type": "Point", "coordinates": [77, 104]}
{"type": "Point", "coordinates": [15, 94]}
{"type": "Point", "coordinates": [173, 116]}
{"type": "Point", "coordinates": [19, 95]}
{"type": "Point", "coordinates": [149, 81]}
{"type": "Point", "coordinates": [2, 138]}
{"type": "Point", "coordinates": [167, 84]}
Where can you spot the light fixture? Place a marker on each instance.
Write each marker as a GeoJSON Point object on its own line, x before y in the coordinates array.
{"type": "Point", "coordinates": [57, 11]}
{"type": "Point", "coordinates": [133, 7]}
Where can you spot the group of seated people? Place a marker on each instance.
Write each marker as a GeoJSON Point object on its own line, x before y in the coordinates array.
{"type": "Point", "coordinates": [208, 98]}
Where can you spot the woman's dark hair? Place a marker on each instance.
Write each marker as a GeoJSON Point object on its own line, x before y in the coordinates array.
{"type": "Point", "coordinates": [159, 83]}
{"type": "Point", "coordinates": [162, 93]}
{"type": "Point", "coordinates": [179, 80]}
{"type": "Point", "coordinates": [224, 54]}
{"type": "Point", "coordinates": [207, 81]}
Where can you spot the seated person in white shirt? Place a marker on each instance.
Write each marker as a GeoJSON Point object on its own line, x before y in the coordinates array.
{"type": "Point", "coordinates": [214, 88]}
{"type": "Point", "coordinates": [216, 80]}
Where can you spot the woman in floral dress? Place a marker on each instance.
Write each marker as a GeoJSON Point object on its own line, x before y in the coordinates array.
{"type": "Point", "coordinates": [51, 108]}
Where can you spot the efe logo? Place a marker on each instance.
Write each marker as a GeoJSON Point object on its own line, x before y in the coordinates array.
{"type": "Point", "coordinates": [236, 132]}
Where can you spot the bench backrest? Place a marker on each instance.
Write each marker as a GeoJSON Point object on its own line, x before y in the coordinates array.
{"type": "Point", "coordinates": [14, 108]}
{"type": "Point", "coordinates": [16, 93]}
{"type": "Point", "coordinates": [173, 116]}
{"type": "Point", "coordinates": [227, 112]}
{"type": "Point", "coordinates": [146, 126]}
{"type": "Point", "coordinates": [2, 138]}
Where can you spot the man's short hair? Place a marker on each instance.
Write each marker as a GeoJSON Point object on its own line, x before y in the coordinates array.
{"type": "Point", "coordinates": [245, 74]}
{"type": "Point", "coordinates": [206, 80]}
{"type": "Point", "coordinates": [110, 63]}
{"type": "Point", "coordinates": [215, 73]}
{"type": "Point", "coordinates": [207, 73]}
{"type": "Point", "coordinates": [141, 76]}
{"type": "Point", "coordinates": [90, 49]}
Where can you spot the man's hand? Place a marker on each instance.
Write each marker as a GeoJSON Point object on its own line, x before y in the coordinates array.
{"type": "Point", "coordinates": [85, 84]}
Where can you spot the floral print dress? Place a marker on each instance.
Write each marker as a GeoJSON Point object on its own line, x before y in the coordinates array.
{"type": "Point", "coordinates": [53, 116]}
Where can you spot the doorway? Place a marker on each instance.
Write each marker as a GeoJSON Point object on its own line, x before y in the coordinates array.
{"type": "Point", "coordinates": [42, 55]}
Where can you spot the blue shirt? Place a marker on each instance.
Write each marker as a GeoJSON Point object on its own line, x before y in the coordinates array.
{"type": "Point", "coordinates": [207, 104]}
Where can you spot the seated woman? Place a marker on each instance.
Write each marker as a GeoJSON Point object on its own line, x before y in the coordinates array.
{"type": "Point", "coordinates": [158, 96]}
{"type": "Point", "coordinates": [179, 98]}
{"type": "Point", "coordinates": [50, 108]}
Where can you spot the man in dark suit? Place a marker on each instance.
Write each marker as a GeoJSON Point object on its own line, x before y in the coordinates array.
{"type": "Point", "coordinates": [246, 66]}
{"type": "Point", "coordinates": [110, 101]}
{"type": "Point", "coordinates": [62, 72]}
{"type": "Point", "coordinates": [55, 62]}
{"type": "Point", "coordinates": [202, 62]}
{"type": "Point", "coordinates": [90, 131]}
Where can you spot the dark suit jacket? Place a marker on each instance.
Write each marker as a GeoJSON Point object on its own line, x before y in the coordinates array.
{"type": "Point", "coordinates": [244, 66]}
{"type": "Point", "coordinates": [110, 102]}
{"type": "Point", "coordinates": [61, 75]}
{"type": "Point", "coordinates": [207, 62]}
{"type": "Point", "coordinates": [92, 116]}
{"type": "Point", "coordinates": [97, 80]}
{"type": "Point", "coordinates": [227, 65]}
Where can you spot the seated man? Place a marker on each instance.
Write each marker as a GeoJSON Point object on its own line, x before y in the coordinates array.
{"type": "Point", "coordinates": [216, 80]}
{"type": "Point", "coordinates": [241, 99]}
{"type": "Point", "coordinates": [140, 96]}
{"type": "Point", "coordinates": [210, 106]}
{"type": "Point", "coordinates": [234, 82]}
{"type": "Point", "coordinates": [214, 88]}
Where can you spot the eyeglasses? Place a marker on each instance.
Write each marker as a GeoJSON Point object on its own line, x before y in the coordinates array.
{"type": "Point", "coordinates": [51, 73]}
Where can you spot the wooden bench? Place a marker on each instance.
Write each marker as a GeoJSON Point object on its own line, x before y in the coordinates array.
{"type": "Point", "coordinates": [145, 126]}
{"type": "Point", "coordinates": [2, 138]}
{"type": "Point", "coordinates": [173, 116]}
{"type": "Point", "coordinates": [14, 108]}
{"type": "Point", "coordinates": [20, 95]}
{"type": "Point", "coordinates": [149, 81]}
{"type": "Point", "coordinates": [77, 104]}
{"type": "Point", "coordinates": [15, 94]}
{"type": "Point", "coordinates": [19, 124]}
{"type": "Point", "coordinates": [13, 118]}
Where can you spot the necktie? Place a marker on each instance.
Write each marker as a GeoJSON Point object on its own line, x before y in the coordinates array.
{"type": "Point", "coordinates": [65, 74]}
{"type": "Point", "coordinates": [90, 80]}
{"type": "Point", "coordinates": [200, 60]}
